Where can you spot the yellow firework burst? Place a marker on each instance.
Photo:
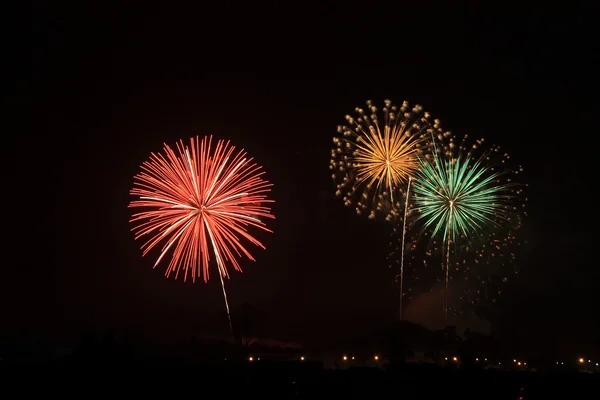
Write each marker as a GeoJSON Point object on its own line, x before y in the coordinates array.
{"type": "Point", "coordinates": [373, 159]}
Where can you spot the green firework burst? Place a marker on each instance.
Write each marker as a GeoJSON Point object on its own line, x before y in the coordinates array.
{"type": "Point", "coordinates": [460, 196]}
{"type": "Point", "coordinates": [466, 210]}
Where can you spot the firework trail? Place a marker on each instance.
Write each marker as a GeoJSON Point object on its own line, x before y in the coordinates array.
{"type": "Point", "coordinates": [197, 202]}
{"type": "Point", "coordinates": [376, 156]}
{"type": "Point", "coordinates": [463, 201]}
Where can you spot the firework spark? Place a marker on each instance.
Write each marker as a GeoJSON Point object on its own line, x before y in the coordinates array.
{"type": "Point", "coordinates": [465, 203]}
{"type": "Point", "coordinates": [479, 267]}
{"type": "Point", "coordinates": [373, 159]}
{"type": "Point", "coordinates": [198, 201]}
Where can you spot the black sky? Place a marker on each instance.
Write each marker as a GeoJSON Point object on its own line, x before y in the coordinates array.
{"type": "Point", "coordinates": [104, 87]}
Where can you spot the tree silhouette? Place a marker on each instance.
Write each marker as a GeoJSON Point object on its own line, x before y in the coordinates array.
{"type": "Point", "coordinates": [247, 321]}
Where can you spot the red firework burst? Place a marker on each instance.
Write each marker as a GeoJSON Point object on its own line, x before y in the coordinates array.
{"type": "Point", "coordinates": [200, 200]}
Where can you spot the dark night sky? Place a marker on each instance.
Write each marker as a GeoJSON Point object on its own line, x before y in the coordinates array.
{"type": "Point", "coordinates": [105, 87]}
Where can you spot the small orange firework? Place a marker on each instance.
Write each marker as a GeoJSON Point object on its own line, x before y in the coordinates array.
{"type": "Point", "coordinates": [198, 201]}
{"type": "Point", "coordinates": [373, 160]}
